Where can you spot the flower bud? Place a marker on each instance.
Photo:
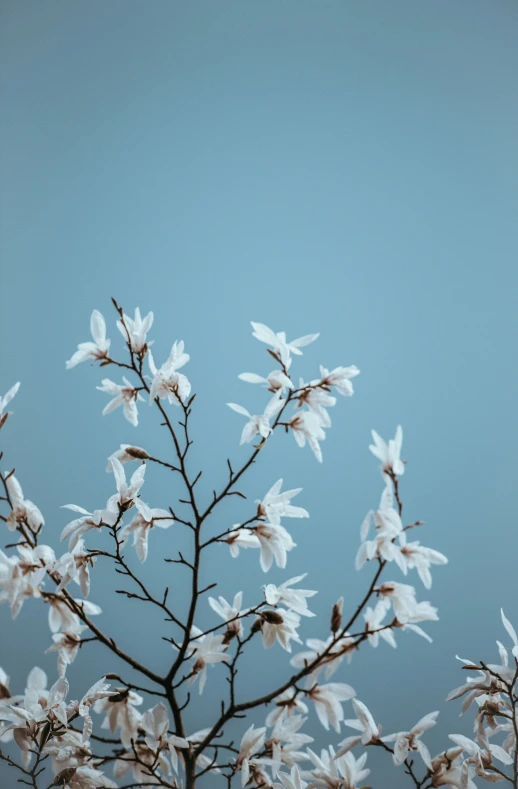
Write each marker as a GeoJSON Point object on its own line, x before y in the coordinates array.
{"type": "Point", "coordinates": [336, 615]}
{"type": "Point", "coordinates": [272, 617]}
{"type": "Point", "coordinates": [137, 452]}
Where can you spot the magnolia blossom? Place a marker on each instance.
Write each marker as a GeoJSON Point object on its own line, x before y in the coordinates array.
{"type": "Point", "coordinates": [390, 453]}
{"type": "Point", "coordinates": [339, 378]}
{"type": "Point", "coordinates": [251, 742]}
{"type": "Point", "coordinates": [281, 626]}
{"type": "Point", "coordinates": [364, 723]}
{"type": "Point", "coordinates": [275, 543]}
{"type": "Point", "coordinates": [125, 454]}
{"type": "Point", "coordinates": [295, 599]}
{"type": "Point", "coordinates": [205, 650]}
{"type": "Point", "coordinates": [230, 613]}
{"type": "Point", "coordinates": [22, 510]}
{"type": "Point", "coordinates": [276, 505]}
{"type": "Point", "coordinates": [291, 781]}
{"type": "Point", "coordinates": [276, 380]}
{"type": "Point", "coordinates": [134, 330]}
{"type": "Point", "coordinates": [88, 520]}
{"type": "Point", "coordinates": [406, 741]}
{"type": "Point", "coordinates": [155, 723]}
{"type": "Point", "coordinates": [125, 395]}
{"type": "Point", "coordinates": [121, 713]}
{"type": "Point", "coordinates": [327, 700]}
{"type": "Point", "coordinates": [167, 382]}
{"type": "Point", "coordinates": [332, 772]}
{"type": "Point", "coordinates": [307, 426]}
{"type": "Point", "coordinates": [240, 538]}
{"type": "Point", "coordinates": [141, 525]}
{"type": "Point", "coordinates": [5, 400]}
{"type": "Point", "coordinates": [260, 423]}
{"type": "Point", "coordinates": [277, 341]}
{"type": "Point", "coordinates": [96, 350]}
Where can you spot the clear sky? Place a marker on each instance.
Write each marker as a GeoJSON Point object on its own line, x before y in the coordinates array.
{"type": "Point", "coordinates": [334, 166]}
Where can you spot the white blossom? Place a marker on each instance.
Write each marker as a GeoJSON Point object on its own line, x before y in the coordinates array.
{"type": "Point", "coordinates": [125, 395]}
{"type": "Point", "coordinates": [145, 520]}
{"type": "Point", "coordinates": [278, 343]}
{"type": "Point", "coordinates": [260, 423]}
{"type": "Point", "coordinates": [135, 330]}
{"type": "Point", "coordinates": [390, 453]}
{"type": "Point", "coordinates": [295, 599]}
{"type": "Point", "coordinates": [407, 741]}
{"type": "Point", "coordinates": [96, 350]}
{"type": "Point", "coordinates": [276, 505]}
{"type": "Point", "coordinates": [167, 382]}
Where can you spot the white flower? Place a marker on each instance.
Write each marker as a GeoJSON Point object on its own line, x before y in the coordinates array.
{"type": "Point", "coordinates": [389, 454]}
{"type": "Point", "coordinates": [277, 341]}
{"type": "Point", "coordinates": [364, 723]}
{"type": "Point", "coordinates": [22, 510]}
{"type": "Point", "coordinates": [260, 423]}
{"type": "Point", "coordinates": [416, 555]}
{"type": "Point", "coordinates": [5, 400]}
{"type": "Point", "coordinates": [374, 620]}
{"type": "Point", "coordinates": [279, 625]}
{"type": "Point", "coordinates": [98, 349]}
{"type": "Point", "coordinates": [206, 650]}
{"type": "Point", "coordinates": [75, 566]}
{"type": "Point", "coordinates": [251, 742]}
{"type": "Point", "coordinates": [167, 381]}
{"type": "Point", "coordinates": [88, 520]}
{"type": "Point", "coordinates": [155, 723]}
{"type": "Point", "coordinates": [141, 525]}
{"type": "Point", "coordinates": [511, 632]}
{"type": "Point", "coordinates": [291, 781]}
{"type": "Point", "coordinates": [330, 772]}
{"type": "Point", "coordinates": [327, 700]}
{"type": "Point", "coordinates": [406, 741]}
{"type": "Point", "coordinates": [276, 505]}
{"type": "Point", "coordinates": [136, 329]}
{"type": "Point", "coordinates": [388, 527]}
{"type": "Point", "coordinates": [340, 379]}
{"type": "Point", "coordinates": [121, 713]}
{"type": "Point", "coordinates": [286, 705]}
{"type": "Point", "coordinates": [285, 742]}
{"type": "Point", "coordinates": [240, 538]}
{"type": "Point", "coordinates": [125, 395]}
{"type": "Point", "coordinates": [125, 454]}
{"type": "Point", "coordinates": [405, 605]}
{"type": "Point", "coordinates": [307, 426]}
{"type": "Point", "coordinates": [295, 599]}
{"type": "Point", "coordinates": [127, 493]}
{"type": "Point", "coordinates": [276, 380]}
{"type": "Point", "coordinates": [66, 644]}
{"type": "Point", "coordinates": [480, 759]}
{"type": "Point", "coordinates": [275, 543]}
{"type": "Point", "coordinates": [230, 613]}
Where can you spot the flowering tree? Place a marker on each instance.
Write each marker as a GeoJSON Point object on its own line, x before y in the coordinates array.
{"type": "Point", "coordinates": [147, 743]}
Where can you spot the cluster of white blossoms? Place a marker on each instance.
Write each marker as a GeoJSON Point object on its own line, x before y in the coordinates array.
{"type": "Point", "coordinates": [131, 734]}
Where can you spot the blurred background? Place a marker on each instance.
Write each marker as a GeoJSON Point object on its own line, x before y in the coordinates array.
{"type": "Point", "coordinates": [342, 167]}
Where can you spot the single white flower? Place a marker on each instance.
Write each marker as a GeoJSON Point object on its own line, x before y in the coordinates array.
{"type": "Point", "coordinates": [390, 453]}
{"type": "Point", "coordinates": [134, 330]}
{"type": "Point", "coordinates": [295, 599]}
{"type": "Point", "coordinates": [125, 395]}
{"type": "Point", "coordinates": [96, 350]}
{"type": "Point", "coordinates": [141, 525]}
{"type": "Point", "coordinates": [278, 343]}
{"type": "Point", "coordinates": [260, 423]}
